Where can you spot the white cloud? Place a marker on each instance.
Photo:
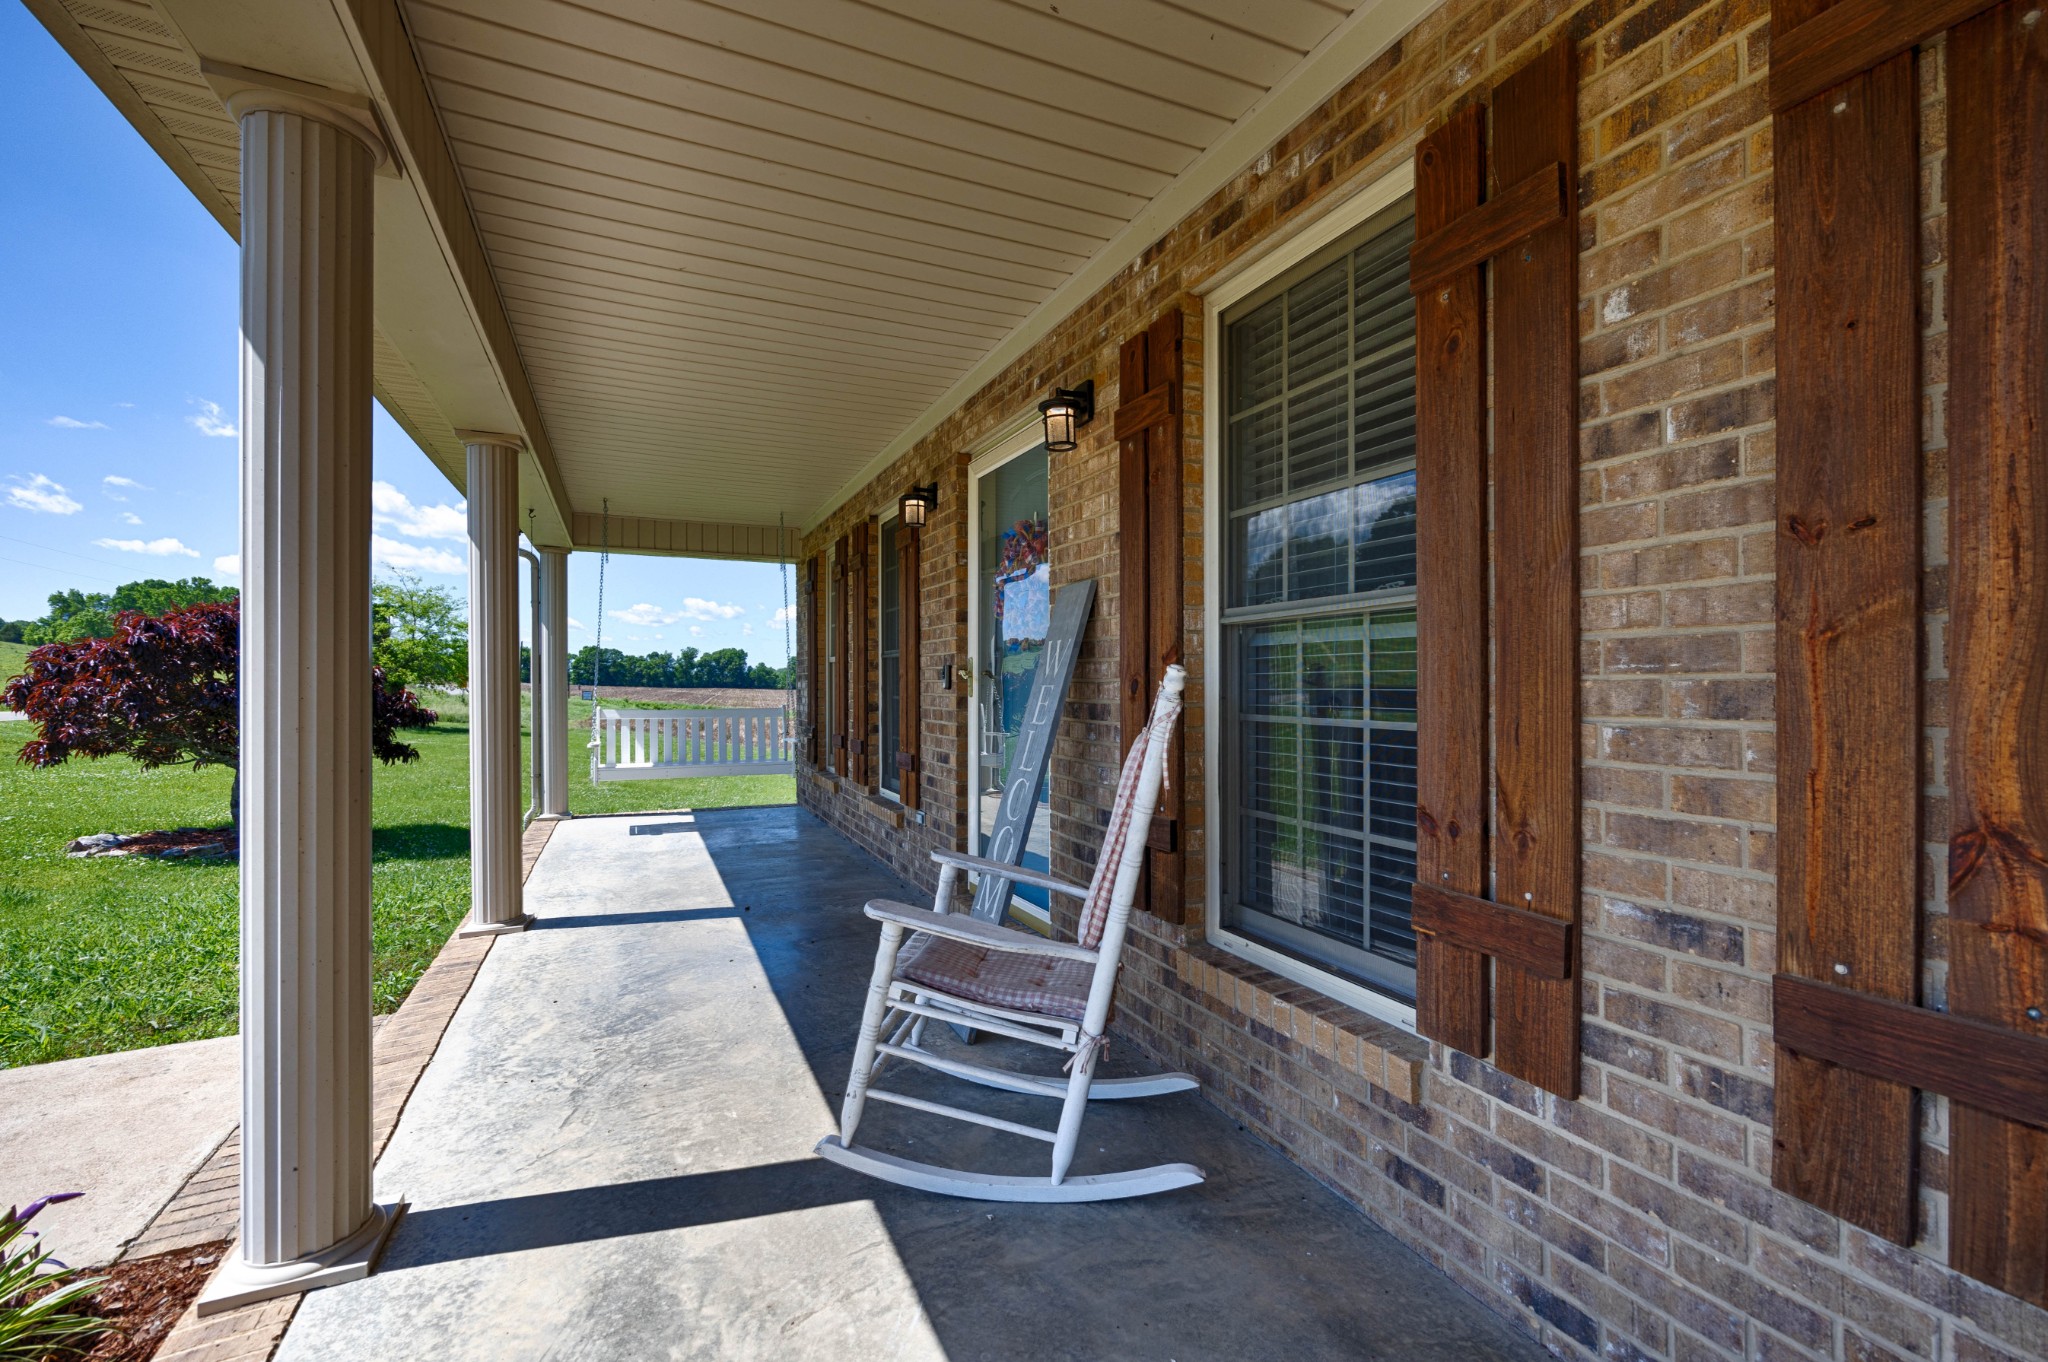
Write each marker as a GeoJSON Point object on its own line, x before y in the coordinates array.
{"type": "Point", "coordinates": [117, 487]}
{"type": "Point", "coordinates": [211, 419]}
{"type": "Point", "coordinates": [73, 423]}
{"type": "Point", "coordinates": [403, 557]}
{"type": "Point", "coordinates": [696, 631]}
{"type": "Point", "coordinates": [393, 510]}
{"type": "Point", "coordinates": [783, 615]}
{"type": "Point", "coordinates": [692, 608]}
{"type": "Point", "coordinates": [38, 493]}
{"type": "Point", "coordinates": [644, 613]}
{"type": "Point", "coordinates": [575, 623]}
{"type": "Point", "coordinates": [130, 518]}
{"type": "Point", "coordinates": [747, 630]}
{"type": "Point", "coordinates": [228, 565]}
{"type": "Point", "coordinates": [155, 548]}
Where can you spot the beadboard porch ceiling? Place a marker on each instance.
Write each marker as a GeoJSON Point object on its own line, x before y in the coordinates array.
{"type": "Point", "coordinates": [740, 254]}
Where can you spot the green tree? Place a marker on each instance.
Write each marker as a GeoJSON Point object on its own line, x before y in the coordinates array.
{"type": "Point", "coordinates": [417, 633]}
{"type": "Point", "coordinates": [76, 614]}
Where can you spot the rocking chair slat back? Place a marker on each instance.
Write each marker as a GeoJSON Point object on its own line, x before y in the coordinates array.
{"type": "Point", "coordinates": [1023, 987]}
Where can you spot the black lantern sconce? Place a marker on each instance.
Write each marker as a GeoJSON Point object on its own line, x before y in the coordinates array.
{"type": "Point", "coordinates": [913, 506]}
{"type": "Point", "coordinates": [1064, 413]}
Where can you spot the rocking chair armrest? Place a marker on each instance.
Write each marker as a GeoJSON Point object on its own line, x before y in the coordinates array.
{"type": "Point", "coordinates": [1018, 873]}
{"type": "Point", "coordinates": [975, 931]}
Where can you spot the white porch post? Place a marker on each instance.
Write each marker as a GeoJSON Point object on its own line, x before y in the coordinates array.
{"type": "Point", "coordinates": [551, 682]}
{"type": "Point", "coordinates": [494, 776]}
{"type": "Point", "coordinates": [307, 1215]}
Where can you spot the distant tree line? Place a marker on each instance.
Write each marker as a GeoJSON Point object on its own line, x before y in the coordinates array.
{"type": "Point", "coordinates": [418, 636]}
{"type": "Point", "coordinates": [727, 667]}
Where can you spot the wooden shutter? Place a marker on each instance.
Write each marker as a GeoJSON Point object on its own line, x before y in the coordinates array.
{"type": "Point", "coordinates": [1853, 1043]}
{"type": "Point", "coordinates": [909, 667]}
{"type": "Point", "coordinates": [814, 628]}
{"type": "Point", "coordinates": [1150, 555]}
{"type": "Point", "coordinates": [857, 616]}
{"type": "Point", "coordinates": [836, 711]}
{"type": "Point", "coordinates": [1526, 234]}
{"type": "Point", "coordinates": [1998, 630]}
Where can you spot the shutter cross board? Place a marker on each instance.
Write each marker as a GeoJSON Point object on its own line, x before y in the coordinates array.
{"type": "Point", "coordinates": [1998, 630]}
{"type": "Point", "coordinates": [1527, 237]}
{"type": "Point", "coordinates": [1151, 554]}
{"type": "Point", "coordinates": [1540, 945]}
{"type": "Point", "coordinates": [1848, 615]}
{"type": "Point", "coordinates": [1991, 1070]}
{"type": "Point", "coordinates": [1846, 39]}
{"type": "Point", "coordinates": [909, 666]}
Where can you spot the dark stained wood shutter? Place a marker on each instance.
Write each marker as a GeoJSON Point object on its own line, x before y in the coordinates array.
{"type": "Point", "coordinates": [1998, 630]}
{"type": "Point", "coordinates": [1853, 1043]}
{"type": "Point", "coordinates": [1151, 552]}
{"type": "Point", "coordinates": [1526, 234]}
{"type": "Point", "coordinates": [835, 737]}
{"type": "Point", "coordinates": [909, 667]}
{"type": "Point", "coordinates": [857, 618]}
{"type": "Point", "coordinates": [814, 629]}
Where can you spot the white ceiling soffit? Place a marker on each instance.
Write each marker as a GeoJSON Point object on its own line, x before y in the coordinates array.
{"type": "Point", "coordinates": [746, 245]}
{"type": "Point", "coordinates": [432, 369]}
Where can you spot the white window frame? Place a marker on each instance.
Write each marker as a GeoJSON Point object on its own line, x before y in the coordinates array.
{"type": "Point", "coordinates": [1242, 280]}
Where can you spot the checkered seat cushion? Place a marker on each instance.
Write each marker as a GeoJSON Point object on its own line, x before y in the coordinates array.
{"type": "Point", "coordinates": [1023, 983]}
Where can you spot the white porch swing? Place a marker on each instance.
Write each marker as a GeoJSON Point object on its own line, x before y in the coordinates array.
{"type": "Point", "coordinates": [965, 971]}
{"type": "Point", "coordinates": [670, 744]}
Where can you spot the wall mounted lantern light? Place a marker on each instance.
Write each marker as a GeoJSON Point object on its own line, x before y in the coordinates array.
{"type": "Point", "coordinates": [916, 504]}
{"type": "Point", "coordinates": [1064, 413]}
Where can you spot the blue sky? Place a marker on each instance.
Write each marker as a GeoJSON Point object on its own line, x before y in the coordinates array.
{"type": "Point", "coordinates": [118, 392]}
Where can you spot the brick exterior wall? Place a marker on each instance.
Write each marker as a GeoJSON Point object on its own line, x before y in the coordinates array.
{"type": "Point", "coordinates": [1638, 1222]}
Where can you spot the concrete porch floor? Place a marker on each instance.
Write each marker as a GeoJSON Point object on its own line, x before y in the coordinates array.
{"type": "Point", "coordinates": [610, 1158]}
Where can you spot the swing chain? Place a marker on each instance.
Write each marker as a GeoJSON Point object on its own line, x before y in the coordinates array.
{"type": "Point", "coordinates": [604, 560]}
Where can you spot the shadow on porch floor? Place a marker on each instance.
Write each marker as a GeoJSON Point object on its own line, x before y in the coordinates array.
{"type": "Point", "coordinates": [609, 1157]}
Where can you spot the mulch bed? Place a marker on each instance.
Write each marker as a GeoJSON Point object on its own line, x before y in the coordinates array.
{"type": "Point", "coordinates": [144, 1297]}
{"type": "Point", "coordinates": [171, 843]}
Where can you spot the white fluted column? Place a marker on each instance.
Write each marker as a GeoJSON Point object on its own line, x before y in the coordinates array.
{"type": "Point", "coordinates": [494, 769]}
{"type": "Point", "coordinates": [308, 1218]}
{"type": "Point", "coordinates": [551, 683]}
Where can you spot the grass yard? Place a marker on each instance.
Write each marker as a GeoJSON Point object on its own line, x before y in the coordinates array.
{"type": "Point", "coordinates": [13, 658]}
{"type": "Point", "coordinates": [117, 953]}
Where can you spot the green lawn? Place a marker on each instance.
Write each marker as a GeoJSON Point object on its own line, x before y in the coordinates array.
{"type": "Point", "coordinates": [13, 657]}
{"type": "Point", "coordinates": [115, 954]}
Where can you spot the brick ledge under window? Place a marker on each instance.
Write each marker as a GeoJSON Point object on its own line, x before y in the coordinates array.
{"type": "Point", "coordinates": [1383, 1054]}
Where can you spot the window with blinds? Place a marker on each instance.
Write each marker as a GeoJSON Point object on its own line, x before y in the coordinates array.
{"type": "Point", "coordinates": [1319, 608]}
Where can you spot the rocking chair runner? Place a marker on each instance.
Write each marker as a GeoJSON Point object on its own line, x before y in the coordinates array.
{"type": "Point", "coordinates": [962, 970]}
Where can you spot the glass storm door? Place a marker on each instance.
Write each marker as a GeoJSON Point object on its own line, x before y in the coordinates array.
{"type": "Point", "coordinates": [1012, 608]}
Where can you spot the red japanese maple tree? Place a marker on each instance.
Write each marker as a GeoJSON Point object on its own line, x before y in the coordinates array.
{"type": "Point", "coordinates": [162, 690]}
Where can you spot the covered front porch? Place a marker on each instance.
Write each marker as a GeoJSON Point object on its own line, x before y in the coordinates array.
{"type": "Point", "coordinates": [609, 1156]}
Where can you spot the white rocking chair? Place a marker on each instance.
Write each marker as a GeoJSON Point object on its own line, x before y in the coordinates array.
{"type": "Point", "coordinates": [962, 970]}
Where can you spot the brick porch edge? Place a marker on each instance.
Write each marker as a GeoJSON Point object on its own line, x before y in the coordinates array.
{"type": "Point", "coordinates": [208, 1207]}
